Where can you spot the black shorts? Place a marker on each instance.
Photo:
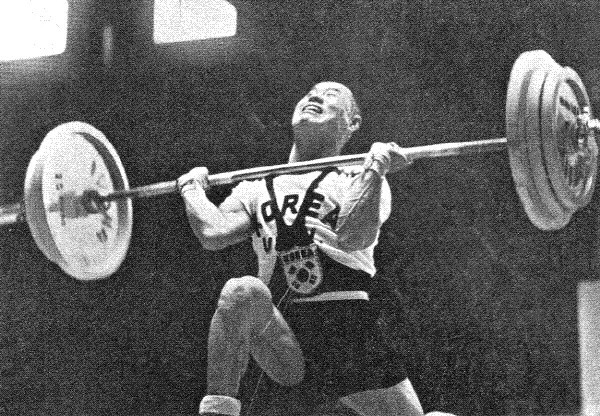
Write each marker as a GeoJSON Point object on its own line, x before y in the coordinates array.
{"type": "Point", "coordinates": [343, 348]}
{"type": "Point", "coordinates": [344, 353]}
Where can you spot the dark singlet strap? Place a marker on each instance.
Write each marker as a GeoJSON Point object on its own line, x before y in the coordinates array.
{"type": "Point", "coordinates": [305, 202]}
{"type": "Point", "coordinates": [296, 234]}
{"type": "Point", "coordinates": [276, 211]}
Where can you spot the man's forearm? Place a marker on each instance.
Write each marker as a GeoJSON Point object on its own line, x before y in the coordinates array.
{"type": "Point", "coordinates": [359, 222]}
{"type": "Point", "coordinates": [214, 228]}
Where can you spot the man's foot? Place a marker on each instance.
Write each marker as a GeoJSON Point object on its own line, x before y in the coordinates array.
{"type": "Point", "coordinates": [212, 405]}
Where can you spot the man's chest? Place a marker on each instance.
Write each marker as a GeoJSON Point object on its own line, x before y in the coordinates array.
{"type": "Point", "coordinates": [298, 199]}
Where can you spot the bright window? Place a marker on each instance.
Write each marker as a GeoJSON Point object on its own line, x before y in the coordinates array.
{"type": "Point", "coordinates": [186, 20]}
{"type": "Point", "coordinates": [32, 28]}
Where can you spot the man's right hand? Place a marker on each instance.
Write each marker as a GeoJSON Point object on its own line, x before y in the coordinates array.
{"type": "Point", "coordinates": [195, 178]}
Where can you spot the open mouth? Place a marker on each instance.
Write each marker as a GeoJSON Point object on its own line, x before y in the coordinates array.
{"type": "Point", "coordinates": [312, 108]}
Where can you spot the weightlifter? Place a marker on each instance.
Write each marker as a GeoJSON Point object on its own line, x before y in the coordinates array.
{"type": "Point", "coordinates": [306, 317]}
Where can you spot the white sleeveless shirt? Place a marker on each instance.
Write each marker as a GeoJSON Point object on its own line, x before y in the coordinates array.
{"type": "Point", "coordinates": [322, 215]}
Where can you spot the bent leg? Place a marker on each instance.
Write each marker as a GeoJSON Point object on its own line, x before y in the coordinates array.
{"type": "Point", "coordinates": [245, 322]}
{"type": "Point", "coordinates": [277, 351]}
{"type": "Point", "coordinates": [400, 399]}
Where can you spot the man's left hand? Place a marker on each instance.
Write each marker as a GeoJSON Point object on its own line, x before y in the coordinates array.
{"type": "Point", "coordinates": [386, 157]}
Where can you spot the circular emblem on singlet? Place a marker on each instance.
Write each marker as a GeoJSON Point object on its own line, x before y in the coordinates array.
{"type": "Point", "coordinates": [302, 268]}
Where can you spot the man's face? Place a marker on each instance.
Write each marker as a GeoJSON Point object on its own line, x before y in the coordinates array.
{"type": "Point", "coordinates": [326, 106]}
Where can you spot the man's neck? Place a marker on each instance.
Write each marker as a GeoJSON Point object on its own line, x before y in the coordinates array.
{"type": "Point", "coordinates": [313, 144]}
{"type": "Point", "coordinates": [300, 155]}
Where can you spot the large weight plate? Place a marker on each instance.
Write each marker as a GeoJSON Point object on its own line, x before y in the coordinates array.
{"type": "Point", "coordinates": [573, 177]}
{"type": "Point", "coordinates": [557, 214]}
{"type": "Point", "coordinates": [518, 148]}
{"type": "Point", "coordinates": [35, 212]}
{"type": "Point", "coordinates": [75, 157]}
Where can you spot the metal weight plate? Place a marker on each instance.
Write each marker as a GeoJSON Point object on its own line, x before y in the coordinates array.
{"type": "Point", "coordinates": [557, 214]}
{"type": "Point", "coordinates": [34, 209]}
{"type": "Point", "coordinates": [518, 148]}
{"type": "Point", "coordinates": [572, 166]}
{"type": "Point", "coordinates": [75, 157]}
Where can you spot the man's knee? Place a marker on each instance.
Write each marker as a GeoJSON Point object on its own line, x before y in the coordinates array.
{"type": "Point", "coordinates": [248, 293]}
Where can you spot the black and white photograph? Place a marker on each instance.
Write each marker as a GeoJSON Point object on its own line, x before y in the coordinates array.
{"type": "Point", "coordinates": [299, 208]}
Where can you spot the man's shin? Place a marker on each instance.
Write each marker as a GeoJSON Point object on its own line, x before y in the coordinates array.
{"type": "Point", "coordinates": [228, 354]}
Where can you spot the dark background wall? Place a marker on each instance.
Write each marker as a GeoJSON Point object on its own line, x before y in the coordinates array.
{"type": "Point", "coordinates": [482, 303]}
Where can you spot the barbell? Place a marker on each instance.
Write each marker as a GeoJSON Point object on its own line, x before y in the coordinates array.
{"type": "Point", "coordinates": [78, 203]}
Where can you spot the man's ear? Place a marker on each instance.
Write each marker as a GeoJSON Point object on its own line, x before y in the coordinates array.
{"type": "Point", "coordinates": [355, 123]}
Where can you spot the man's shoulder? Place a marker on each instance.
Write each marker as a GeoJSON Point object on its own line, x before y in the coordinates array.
{"type": "Point", "coordinates": [248, 184]}
{"type": "Point", "coordinates": [247, 190]}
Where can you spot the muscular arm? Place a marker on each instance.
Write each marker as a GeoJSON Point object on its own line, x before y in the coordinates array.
{"type": "Point", "coordinates": [359, 220]}
{"type": "Point", "coordinates": [216, 227]}
{"type": "Point", "coordinates": [360, 216]}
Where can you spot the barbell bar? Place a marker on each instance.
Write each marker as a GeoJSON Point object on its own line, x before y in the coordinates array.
{"type": "Point", "coordinates": [78, 203]}
{"type": "Point", "coordinates": [14, 213]}
{"type": "Point", "coordinates": [11, 214]}
{"type": "Point", "coordinates": [92, 201]}
{"type": "Point", "coordinates": [228, 178]}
